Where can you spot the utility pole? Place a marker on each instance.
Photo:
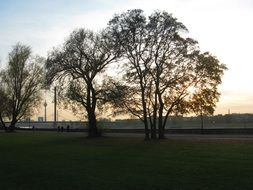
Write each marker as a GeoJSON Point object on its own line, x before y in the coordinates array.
{"type": "Point", "coordinates": [55, 101]}
{"type": "Point", "coordinates": [45, 105]}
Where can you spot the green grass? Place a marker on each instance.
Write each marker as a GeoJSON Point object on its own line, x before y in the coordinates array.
{"type": "Point", "coordinates": [71, 161]}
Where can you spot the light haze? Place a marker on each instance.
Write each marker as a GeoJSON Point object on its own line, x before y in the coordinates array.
{"type": "Point", "coordinates": [223, 27]}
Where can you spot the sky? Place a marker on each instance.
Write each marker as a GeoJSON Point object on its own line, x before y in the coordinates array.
{"type": "Point", "coordinates": [222, 27]}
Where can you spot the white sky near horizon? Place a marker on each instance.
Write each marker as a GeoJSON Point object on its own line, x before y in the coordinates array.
{"type": "Point", "coordinates": [223, 27]}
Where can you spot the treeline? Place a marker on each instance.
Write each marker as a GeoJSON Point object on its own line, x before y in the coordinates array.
{"type": "Point", "coordinates": [163, 72]}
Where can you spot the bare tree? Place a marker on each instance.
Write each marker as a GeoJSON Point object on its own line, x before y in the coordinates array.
{"type": "Point", "coordinates": [77, 68]}
{"type": "Point", "coordinates": [161, 67]}
{"type": "Point", "coordinates": [130, 28]}
{"type": "Point", "coordinates": [4, 109]}
{"type": "Point", "coordinates": [21, 83]}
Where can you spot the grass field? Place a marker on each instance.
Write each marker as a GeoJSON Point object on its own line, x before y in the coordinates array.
{"type": "Point", "coordinates": [62, 161]}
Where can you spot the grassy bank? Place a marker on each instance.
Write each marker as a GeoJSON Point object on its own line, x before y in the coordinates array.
{"type": "Point", "coordinates": [70, 161]}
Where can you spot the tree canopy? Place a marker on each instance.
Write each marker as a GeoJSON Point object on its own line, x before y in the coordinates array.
{"type": "Point", "coordinates": [162, 66]}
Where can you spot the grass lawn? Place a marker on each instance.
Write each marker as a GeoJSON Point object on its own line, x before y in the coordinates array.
{"type": "Point", "coordinates": [50, 160]}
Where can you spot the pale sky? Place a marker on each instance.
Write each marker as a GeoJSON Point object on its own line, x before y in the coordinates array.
{"type": "Point", "coordinates": [223, 27]}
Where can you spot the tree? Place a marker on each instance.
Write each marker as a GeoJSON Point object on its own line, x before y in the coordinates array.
{"type": "Point", "coordinates": [4, 109]}
{"type": "Point", "coordinates": [20, 87]}
{"type": "Point", "coordinates": [129, 28]}
{"type": "Point", "coordinates": [204, 98]}
{"type": "Point", "coordinates": [4, 101]}
{"type": "Point", "coordinates": [161, 67]}
{"type": "Point", "coordinates": [77, 68]}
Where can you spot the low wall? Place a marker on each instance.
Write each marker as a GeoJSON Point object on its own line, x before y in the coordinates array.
{"type": "Point", "coordinates": [242, 131]}
{"type": "Point", "coordinates": [189, 131]}
{"type": "Point", "coordinates": [211, 131]}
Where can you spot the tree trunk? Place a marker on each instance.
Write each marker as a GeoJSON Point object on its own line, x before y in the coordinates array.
{"type": "Point", "coordinates": [146, 128]}
{"type": "Point", "coordinates": [160, 119]}
{"type": "Point", "coordinates": [11, 127]}
{"type": "Point", "coordinates": [160, 127]}
{"type": "Point", "coordinates": [161, 134]}
{"type": "Point", "coordinates": [92, 126]}
{"type": "Point", "coordinates": [90, 108]}
{"type": "Point", "coordinates": [2, 122]}
{"type": "Point", "coordinates": [153, 131]}
{"type": "Point", "coordinates": [145, 119]}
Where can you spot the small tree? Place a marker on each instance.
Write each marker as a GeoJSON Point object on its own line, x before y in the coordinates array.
{"type": "Point", "coordinates": [77, 68]}
{"type": "Point", "coordinates": [205, 94]}
{"type": "Point", "coordinates": [21, 83]}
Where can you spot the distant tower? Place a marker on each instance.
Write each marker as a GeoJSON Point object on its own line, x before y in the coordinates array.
{"type": "Point", "coordinates": [228, 111]}
{"type": "Point", "coordinates": [45, 105]}
{"type": "Point", "coordinates": [55, 102]}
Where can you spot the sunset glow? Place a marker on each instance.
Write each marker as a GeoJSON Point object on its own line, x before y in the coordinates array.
{"type": "Point", "coordinates": [224, 28]}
